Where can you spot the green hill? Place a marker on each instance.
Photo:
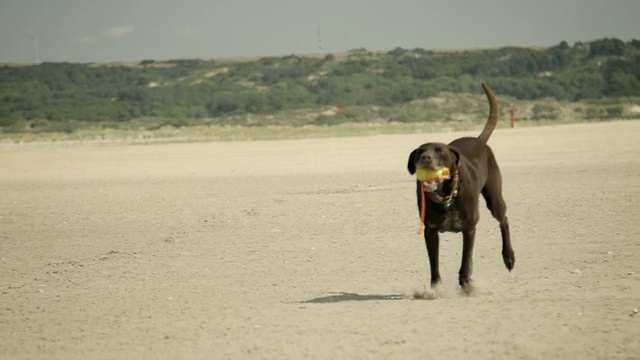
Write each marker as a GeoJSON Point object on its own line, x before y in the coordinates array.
{"type": "Point", "coordinates": [66, 96]}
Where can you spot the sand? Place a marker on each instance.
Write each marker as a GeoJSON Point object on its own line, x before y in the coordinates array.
{"type": "Point", "coordinates": [307, 249]}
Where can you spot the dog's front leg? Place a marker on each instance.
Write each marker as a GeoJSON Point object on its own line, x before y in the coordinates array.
{"type": "Point", "coordinates": [468, 238]}
{"type": "Point", "coordinates": [432, 239]}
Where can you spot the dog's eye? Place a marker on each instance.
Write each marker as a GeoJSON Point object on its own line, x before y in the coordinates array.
{"type": "Point", "coordinates": [439, 151]}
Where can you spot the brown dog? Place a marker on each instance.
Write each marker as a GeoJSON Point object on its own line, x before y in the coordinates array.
{"type": "Point", "coordinates": [452, 204]}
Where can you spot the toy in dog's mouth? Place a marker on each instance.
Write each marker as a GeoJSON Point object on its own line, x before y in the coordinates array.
{"type": "Point", "coordinates": [432, 178]}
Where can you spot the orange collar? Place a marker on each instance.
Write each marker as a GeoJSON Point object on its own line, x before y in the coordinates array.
{"type": "Point", "coordinates": [447, 201]}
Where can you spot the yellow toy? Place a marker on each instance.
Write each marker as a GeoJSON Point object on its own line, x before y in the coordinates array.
{"type": "Point", "coordinates": [429, 175]}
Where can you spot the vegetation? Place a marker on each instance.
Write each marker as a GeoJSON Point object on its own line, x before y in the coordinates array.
{"type": "Point", "coordinates": [64, 97]}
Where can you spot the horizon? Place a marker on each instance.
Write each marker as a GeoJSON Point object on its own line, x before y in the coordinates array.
{"type": "Point", "coordinates": [119, 31]}
{"type": "Point", "coordinates": [135, 62]}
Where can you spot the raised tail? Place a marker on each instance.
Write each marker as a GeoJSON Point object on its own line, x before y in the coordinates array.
{"type": "Point", "coordinates": [492, 121]}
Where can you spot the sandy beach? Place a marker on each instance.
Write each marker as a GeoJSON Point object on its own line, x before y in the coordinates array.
{"type": "Point", "coordinates": [307, 249]}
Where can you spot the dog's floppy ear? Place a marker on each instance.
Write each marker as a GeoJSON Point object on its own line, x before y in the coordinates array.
{"type": "Point", "coordinates": [456, 156]}
{"type": "Point", "coordinates": [411, 164]}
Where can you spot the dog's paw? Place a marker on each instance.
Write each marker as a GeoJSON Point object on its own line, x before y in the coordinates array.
{"type": "Point", "coordinates": [509, 258]}
{"type": "Point", "coordinates": [464, 279]}
{"type": "Point", "coordinates": [468, 289]}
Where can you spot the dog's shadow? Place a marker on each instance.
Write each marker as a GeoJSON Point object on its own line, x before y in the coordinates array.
{"type": "Point", "coordinates": [344, 296]}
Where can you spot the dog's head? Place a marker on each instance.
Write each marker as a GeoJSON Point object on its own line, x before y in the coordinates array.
{"type": "Point", "coordinates": [432, 156]}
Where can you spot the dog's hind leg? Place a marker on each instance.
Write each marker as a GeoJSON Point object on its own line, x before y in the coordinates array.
{"type": "Point", "coordinates": [432, 240]}
{"type": "Point", "coordinates": [492, 194]}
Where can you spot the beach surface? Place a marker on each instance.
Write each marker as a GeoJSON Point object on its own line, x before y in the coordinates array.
{"type": "Point", "coordinates": [307, 249]}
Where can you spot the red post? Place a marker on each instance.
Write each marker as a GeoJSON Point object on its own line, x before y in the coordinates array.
{"type": "Point", "coordinates": [339, 106]}
{"type": "Point", "coordinates": [512, 110]}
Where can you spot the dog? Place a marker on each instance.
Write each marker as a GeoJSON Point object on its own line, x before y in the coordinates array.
{"type": "Point", "coordinates": [451, 205]}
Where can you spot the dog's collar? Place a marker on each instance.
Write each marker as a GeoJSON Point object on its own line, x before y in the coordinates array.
{"type": "Point", "coordinates": [446, 200]}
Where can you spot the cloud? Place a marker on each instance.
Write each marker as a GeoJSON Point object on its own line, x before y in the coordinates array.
{"type": "Point", "coordinates": [186, 30]}
{"type": "Point", "coordinates": [117, 32]}
{"type": "Point", "coordinates": [89, 39]}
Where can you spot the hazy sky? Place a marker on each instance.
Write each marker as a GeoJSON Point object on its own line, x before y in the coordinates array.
{"type": "Point", "coordinates": [114, 30]}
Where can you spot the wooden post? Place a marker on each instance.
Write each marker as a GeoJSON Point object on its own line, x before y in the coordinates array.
{"type": "Point", "coordinates": [512, 110]}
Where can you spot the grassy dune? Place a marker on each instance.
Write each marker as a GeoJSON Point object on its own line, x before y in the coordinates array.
{"type": "Point", "coordinates": [446, 112]}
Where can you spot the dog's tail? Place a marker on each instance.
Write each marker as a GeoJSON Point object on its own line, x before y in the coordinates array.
{"type": "Point", "coordinates": [493, 114]}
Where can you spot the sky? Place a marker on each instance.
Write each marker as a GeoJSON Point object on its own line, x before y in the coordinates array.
{"type": "Point", "coordinates": [128, 30]}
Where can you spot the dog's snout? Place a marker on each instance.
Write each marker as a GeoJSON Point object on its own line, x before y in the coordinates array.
{"type": "Point", "coordinates": [425, 157]}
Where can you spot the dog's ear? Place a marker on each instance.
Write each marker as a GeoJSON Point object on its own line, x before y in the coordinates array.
{"type": "Point", "coordinates": [411, 164]}
{"type": "Point", "coordinates": [456, 156]}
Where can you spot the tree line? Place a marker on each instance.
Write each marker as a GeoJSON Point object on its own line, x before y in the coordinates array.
{"type": "Point", "coordinates": [193, 89]}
